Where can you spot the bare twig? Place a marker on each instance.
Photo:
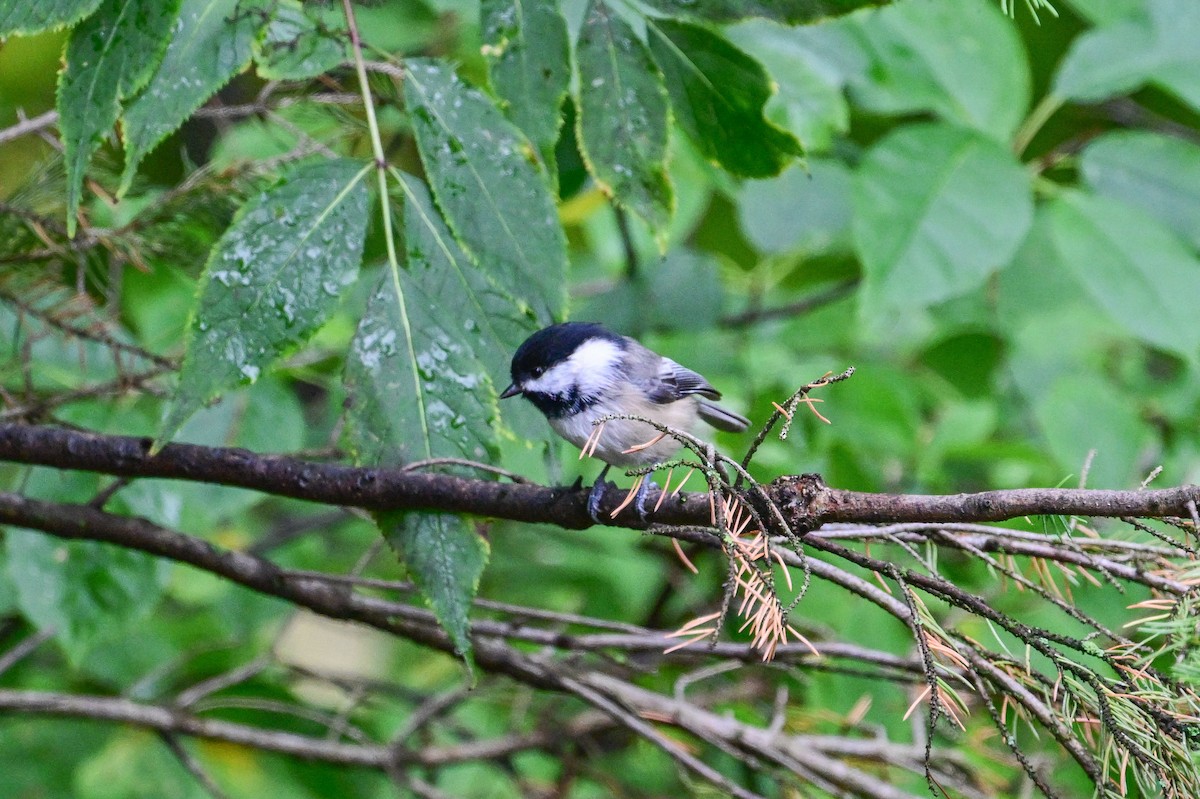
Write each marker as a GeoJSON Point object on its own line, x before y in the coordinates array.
{"type": "Point", "coordinates": [27, 126]}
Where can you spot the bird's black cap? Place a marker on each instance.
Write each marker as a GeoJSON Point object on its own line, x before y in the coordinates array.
{"type": "Point", "coordinates": [553, 344]}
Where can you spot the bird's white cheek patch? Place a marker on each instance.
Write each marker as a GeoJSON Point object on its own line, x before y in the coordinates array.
{"type": "Point", "coordinates": [593, 365]}
{"type": "Point", "coordinates": [555, 382]}
{"type": "Point", "coordinates": [589, 370]}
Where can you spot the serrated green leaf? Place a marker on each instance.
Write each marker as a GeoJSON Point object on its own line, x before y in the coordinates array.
{"type": "Point", "coordinates": [1140, 274]}
{"type": "Point", "coordinates": [80, 589]}
{"type": "Point", "coordinates": [527, 47]}
{"type": "Point", "coordinates": [623, 116]}
{"type": "Point", "coordinates": [212, 43]}
{"type": "Point", "coordinates": [488, 320]}
{"type": "Point", "coordinates": [1159, 174]}
{"type": "Point", "coordinates": [23, 17]}
{"type": "Point", "coordinates": [1155, 46]}
{"type": "Point", "coordinates": [937, 209]}
{"type": "Point", "coordinates": [445, 558]}
{"type": "Point", "coordinates": [809, 85]}
{"type": "Point", "coordinates": [790, 11]}
{"type": "Point", "coordinates": [417, 389]}
{"type": "Point", "coordinates": [962, 60]}
{"type": "Point", "coordinates": [416, 386]}
{"type": "Point", "coordinates": [485, 178]}
{"type": "Point", "coordinates": [294, 46]}
{"type": "Point", "coordinates": [272, 280]}
{"type": "Point", "coordinates": [718, 94]}
{"type": "Point", "coordinates": [110, 56]}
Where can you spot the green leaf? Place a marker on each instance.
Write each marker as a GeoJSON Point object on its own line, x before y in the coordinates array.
{"type": "Point", "coordinates": [417, 388]}
{"type": "Point", "coordinates": [718, 94]}
{"type": "Point", "coordinates": [8, 591]}
{"type": "Point", "coordinates": [1107, 11]}
{"type": "Point", "coordinates": [1078, 413]}
{"type": "Point", "coordinates": [489, 320]}
{"type": "Point", "coordinates": [684, 292]}
{"type": "Point", "coordinates": [445, 558]}
{"type": "Point", "coordinates": [296, 47]}
{"type": "Point", "coordinates": [22, 17]}
{"type": "Point", "coordinates": [1156, 46]}
{"type": "Point", "coordinates": [790, 11]}
{"type": "Point", "coordinates": [486, 181]}
{"type": "Point", "coordinates": [1159, 174]}
{"type": "Point", "coordinates": [622, 116]}
{"type": "Point", "coordinates": [937, 209]}
{"type": "Point", "coordinates": [530, 56]}
{"type": "Point", "coordinates": [960, 59]}
{"type": "Point", "coordinates": [132, 766]}
{"type": "Point", "coordinates": [807, 209]}
{"type": "Point", "coordinates": [810, 87]}
{"type": "Point", "coordinates": [80, 589]}
{"type": "Point", "coordinates": [272, 280]}
{"type": "Point", "coordinates": [211, 44]}
{"type": "Point", "coordinates": [109, 57]}
{"type": "Point", "coordinates": [1139, 273]}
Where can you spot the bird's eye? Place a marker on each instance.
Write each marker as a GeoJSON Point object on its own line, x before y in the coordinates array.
{"type": "Point", "coordinates": [538, 371]}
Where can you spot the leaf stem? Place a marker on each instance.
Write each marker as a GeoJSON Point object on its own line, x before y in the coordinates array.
{"type": "Point", "coordinates": [1033, 123]}
{"type": "Point", "coordinates": [368, 105]}
{"type": "Point", "coordinates": [385, 208]}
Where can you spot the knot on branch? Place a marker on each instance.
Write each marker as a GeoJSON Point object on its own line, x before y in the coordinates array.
{"type": "Point", "coordinates": [798, 497]}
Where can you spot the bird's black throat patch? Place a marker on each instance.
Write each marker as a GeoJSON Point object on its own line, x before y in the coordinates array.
{"type": "Point", "coordinates": [558, 406]}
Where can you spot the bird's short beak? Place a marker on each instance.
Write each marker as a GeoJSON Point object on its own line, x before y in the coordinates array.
{"type": "Point", "coordinates": [511, 391]}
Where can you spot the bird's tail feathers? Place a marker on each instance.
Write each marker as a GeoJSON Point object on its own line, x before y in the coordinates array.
{"type": "Point", "coordinates": [722, 418]}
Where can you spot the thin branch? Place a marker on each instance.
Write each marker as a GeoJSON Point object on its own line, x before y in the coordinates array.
{"type": "Point", "coordinates": [220, 682]}
{"type": "Point", "coordinates": [647, 732]}
{"type": "Point", "coordinates": [22, 650]}
{"type": "Point", "coordinates": [50, 317]}
{"type": "Point", "coordinates": [800, 307]}
{"type": "Point", "coordinates": [192, 765]}
{"type": "Point", "coordinates": [178, 722]}
{"type": "Point", "coordinates": [27, 126]}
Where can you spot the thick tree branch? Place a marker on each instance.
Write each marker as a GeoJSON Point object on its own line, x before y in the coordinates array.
{"type": "Point", "coordinates": [805, 500]}
{"type": "Point", "coordinates": [331, 596]}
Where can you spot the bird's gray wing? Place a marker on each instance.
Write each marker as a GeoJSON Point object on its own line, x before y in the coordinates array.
{"type": "Point", "coordinates": [674, 382]}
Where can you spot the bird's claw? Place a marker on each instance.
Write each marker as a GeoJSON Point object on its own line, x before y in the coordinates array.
{"type": "Point", "coordinates": [596, 495]}
{"type": "Point", "coordinates": [639, 500]}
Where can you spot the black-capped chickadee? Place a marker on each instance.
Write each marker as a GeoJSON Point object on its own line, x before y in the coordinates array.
{"type": "Point", "coordinates": [578, 372]}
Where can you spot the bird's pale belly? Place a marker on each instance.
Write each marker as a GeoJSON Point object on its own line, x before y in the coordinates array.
{"type": "Point", "coordinates": [619, 436]}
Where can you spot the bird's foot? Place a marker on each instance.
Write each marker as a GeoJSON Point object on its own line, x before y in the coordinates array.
{"type": "Point", "coordinates": [637, 497]}
{"type": "Point", "coordinates": [643, 491]}
{"type": "Point", "coordinates": [596, 495]}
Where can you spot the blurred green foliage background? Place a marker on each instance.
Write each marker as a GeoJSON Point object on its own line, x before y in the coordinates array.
{"type": "Point", "coordinates": [996, 221]}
